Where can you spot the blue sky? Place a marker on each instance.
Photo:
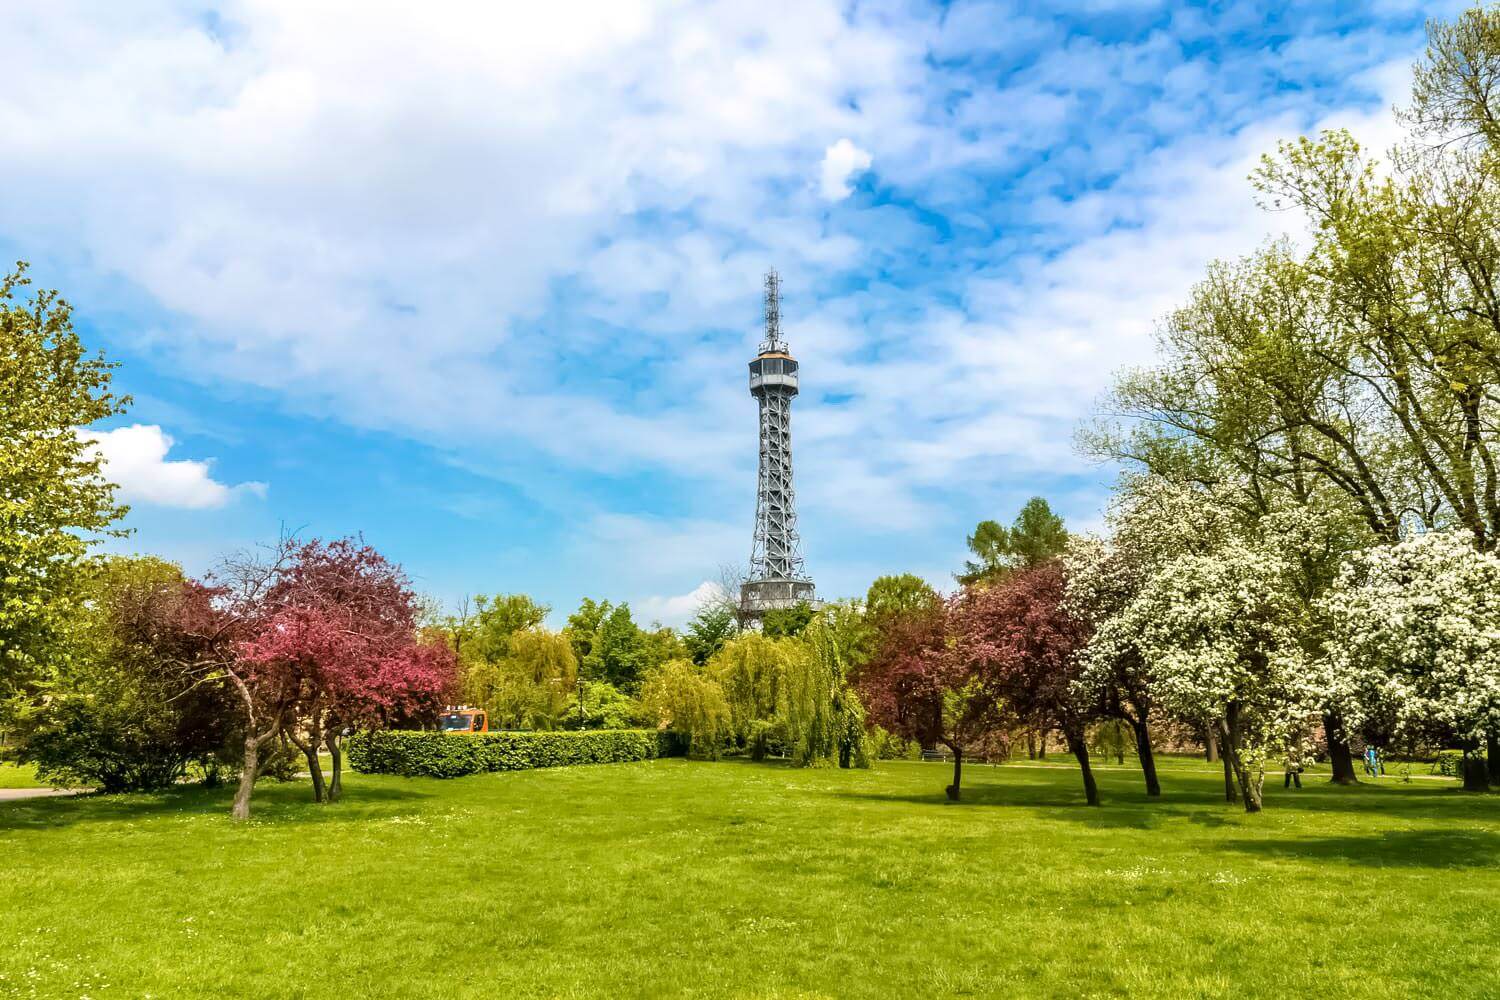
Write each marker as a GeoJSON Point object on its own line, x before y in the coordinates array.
{"type": "Point", "coordinates": [480, 281]}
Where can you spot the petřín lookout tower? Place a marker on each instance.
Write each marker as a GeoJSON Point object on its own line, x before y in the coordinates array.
{"type": "Point", "coordinates": [776, 578]}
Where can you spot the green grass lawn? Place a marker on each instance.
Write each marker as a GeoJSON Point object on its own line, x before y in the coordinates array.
{"type": "Point", "coordinates": [13, 775]}
{"type": "Point", "coordinates": [681, 879]}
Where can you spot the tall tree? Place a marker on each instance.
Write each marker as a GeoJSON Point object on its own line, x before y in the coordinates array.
{"type": "Point", "coordinates": [711, 627]}
{"type": "Point", "coordinates": [531, 683]}
{"type": "Point", "coordinates": [317, 638]}
{"type": "Point", "coordinates": [841, 640]}
{"type": "Point", "coordinates": [609, 645]}
{"type": "Point", "coordinates": [1022, 638]}
{"type": "Point", "coordinates": [681, 696]}
{"type": "Point", "coordinates": [752, 671]}
{"type": "Point", "coordinates": [914, 686]}
{"type": "Point", "coordinates": [784, 623]}
{"type": "Point", "coordinates": [54, 500]}
{"type": "Point", "coordinates": [891, 597]}
{"type": "Point", "coordinates": [1413, 629]}
{"type": "Point", "coordinates": [1036, 536]}
{"type": "Point", "coordinates": [1219, 636]}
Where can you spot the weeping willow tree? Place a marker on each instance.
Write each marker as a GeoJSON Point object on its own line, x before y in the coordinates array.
{"type": "Point", "coordinates": [681, 697]}
{"type": "Point", "coordinates": [530, 685]}
{"type": "Point", "coordinates": [805, 705]}
{"type": "Point", "coordinates": [752, 670]}
{"type": "Point", "coordinates": [838, 641]}
{"type": "Point", "coordinates": [792, 695]}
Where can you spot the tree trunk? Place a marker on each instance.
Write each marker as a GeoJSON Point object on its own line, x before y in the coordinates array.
{"type": "Point", "coordinates": [1340, 759]}
{"type": "Point", "coordinates": [1041, 750]}
{"type": "Point", "coordinates": [1231, 794]}
{"type": "Point", "coordinates": [1148, 758]}
{"type": "Point", "coordinates": [958, 771]}
{"type": "Point", "coordinates": [1494, 755]}
{"type": "Point", "coordinates": [241, 810]}
{"type": "Point", "coordinates": [335, 786]}
{"type": "Point", "coordinates": [1210, 745]}
{"type": "Point", "coordinates": [1030, 743]}
{"type": "Point", "coordinates": [1476, 772]}
{"type": "Point", "coordinates": [1249, 784]}
{"type": "Point", "coordinates": [1080, 747]}
{"type": "Point", "coordinates": [309, 748]}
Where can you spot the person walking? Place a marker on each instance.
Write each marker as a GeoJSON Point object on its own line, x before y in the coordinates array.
{"type": "Point", "coordinates": [1293, 774]}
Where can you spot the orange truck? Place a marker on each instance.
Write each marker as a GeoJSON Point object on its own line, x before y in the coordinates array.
{"type": "Point", "coordinates": [464, 719]}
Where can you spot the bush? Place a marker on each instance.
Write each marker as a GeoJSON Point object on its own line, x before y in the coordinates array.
{"type": "Point", "coordinates": [886, 745]}
{"type": "Point", "coordinates": [452, 755]}
{"type": "Point", "coordinates": [1449, 763]}
{"type": "Point", "coordinates": [122, 713]}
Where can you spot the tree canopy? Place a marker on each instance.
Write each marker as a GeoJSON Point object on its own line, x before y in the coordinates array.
{"type": "Point", "coordinates": [55, 501]}
{"type": "Point", "coordinates": [1035, 536]}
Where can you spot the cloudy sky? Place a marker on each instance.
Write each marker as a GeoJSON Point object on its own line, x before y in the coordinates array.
{"type": "Point", "coordinates": [480, 280]}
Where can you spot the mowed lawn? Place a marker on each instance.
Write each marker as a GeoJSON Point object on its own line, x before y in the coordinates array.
{"type": "Point", "coordinates": [682, 879]}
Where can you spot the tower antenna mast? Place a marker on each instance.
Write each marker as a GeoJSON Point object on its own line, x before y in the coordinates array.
{"type": "Point", "coordinates": [776, 579]}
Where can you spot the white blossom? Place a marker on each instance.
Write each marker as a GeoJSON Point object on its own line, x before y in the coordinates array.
{"type": "Point", "coordinates": [1414, 639]}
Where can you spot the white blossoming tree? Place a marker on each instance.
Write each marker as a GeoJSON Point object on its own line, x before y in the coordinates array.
{"type": "Point", "coordinates": [1151, 522]}
{"type": "Point", "coordinates": [1218, 635]}
{"type": "Point", "coordinates": [1414, 642]}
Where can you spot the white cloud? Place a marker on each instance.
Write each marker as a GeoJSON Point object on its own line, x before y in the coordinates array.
{"type": "Point", "coordinates": [135, 457]}
{"type": "Point", "coordinates": [677, 610]}
{"type": "Point", "coordinates": [841, 162]}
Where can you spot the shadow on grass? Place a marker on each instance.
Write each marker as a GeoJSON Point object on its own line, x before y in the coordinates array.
{"type": "Point", "coordinates": [290, 802]}
{"type": "Point", "coordinates": [1200, 800]}
{"type": "Point", "coordinates": [1387, 849]}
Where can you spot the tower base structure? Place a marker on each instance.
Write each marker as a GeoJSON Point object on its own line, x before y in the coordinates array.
{"type": "Point", "coordinates": [759, 596]}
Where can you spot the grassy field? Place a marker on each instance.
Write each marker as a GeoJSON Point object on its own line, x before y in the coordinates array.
{"type": "Point", "coordinates": [681, 879]}
{"type": "Point", "coordinates": [14, 775]}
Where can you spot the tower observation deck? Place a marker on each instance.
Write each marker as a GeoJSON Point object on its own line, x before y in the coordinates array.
{"type": "Point", "coordinates": [776, 577]}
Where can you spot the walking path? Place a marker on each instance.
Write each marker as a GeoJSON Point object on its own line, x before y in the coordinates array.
{"type": "Point", "coordinates": [12, 794]}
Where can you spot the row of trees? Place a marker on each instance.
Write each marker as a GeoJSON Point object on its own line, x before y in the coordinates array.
{"type": "Point", "coordinates": [273, 658]}
{"type": "Point", "coordinates": [1305, 542]}
{"type": "Point", "coordinates": [1335, 398]}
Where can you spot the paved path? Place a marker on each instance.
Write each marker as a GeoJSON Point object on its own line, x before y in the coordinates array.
{"type": "Point", "coordinates": [12, 794]}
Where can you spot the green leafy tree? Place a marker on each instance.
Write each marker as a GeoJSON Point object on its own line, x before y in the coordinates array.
{"type": "Point", "coordinates": [713, 625]}
{"type": "Point", "coordinates": [496, 619]}
{"type": "Point", "coordinates": [784, 623]}
{"type": "Point", "coordinates": [531, 685]}
{"type": "Point", "coordinates": [660, 645]}
{"type": "Point", "coordinates": [683, 697]}
{"type": "Point", "coordinates": [124, 712]}
{"type": "Point", "coordinates": [1036, 536]}
{"type": "Point", "coordinates": [609, 645]}
{"type": "Point", "coordinates": [891, 597]}
{"type": "Point", "coordinates": [839, 639]}
{"type": "Point", "coordinates": [54, 499]}
{"type": "Point", "coordinates": [752, 670]}
{"type": "Point", "coordinates": [508, 664]}
{"type": "Point", "coordinates": [601, 705]}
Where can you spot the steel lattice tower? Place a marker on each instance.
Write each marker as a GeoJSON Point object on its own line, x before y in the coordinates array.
{"type": "Point", "coordinates": [776, 577]}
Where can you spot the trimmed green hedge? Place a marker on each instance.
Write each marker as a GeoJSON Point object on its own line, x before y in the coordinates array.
{"type": "Point", "coordinates": [452, 755]}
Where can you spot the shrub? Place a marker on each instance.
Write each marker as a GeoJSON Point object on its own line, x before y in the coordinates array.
{"type": "Point", "coordinates": [452, 755]}
{"type": "Point", "coordinates": [1449, 763]}
{"type": "Point", "coordinates": [886, 745]}
{"type": "Point", "coordinates": [123, 713]}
